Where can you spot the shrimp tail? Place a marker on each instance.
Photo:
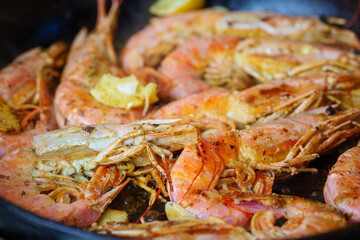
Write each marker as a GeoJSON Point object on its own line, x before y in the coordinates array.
{"type": "Point", "coordinates": [107, 23]}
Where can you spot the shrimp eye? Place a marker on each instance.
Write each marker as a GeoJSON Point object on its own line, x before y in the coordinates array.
{"type": "Point", "coordinates": [89, 129]}
{"type": "Point", "coordinates": [330, 110]}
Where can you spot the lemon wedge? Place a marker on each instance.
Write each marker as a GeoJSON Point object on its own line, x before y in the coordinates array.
{"type": "Point", "coordinates": [167, 7]}
{"type": "Point", "coordinates": [8, 121]}
{"type": "Point", "coordinates": [125, 92]}
{"type": "Point", "coordinates": [112, 215]}
{"type": "Point", "coordinates": [176, 212]}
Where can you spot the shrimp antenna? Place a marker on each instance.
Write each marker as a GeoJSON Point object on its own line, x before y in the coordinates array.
{"type": "Point", "coordinates": [355, 16]}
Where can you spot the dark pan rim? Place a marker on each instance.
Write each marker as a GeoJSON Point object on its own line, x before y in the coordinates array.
{"type": "Point", "coordinates": [50, 224]}
{"type": "Point", "coordinates": [57, 227]}
{"type": "Point", "coordinates": [78, 232]}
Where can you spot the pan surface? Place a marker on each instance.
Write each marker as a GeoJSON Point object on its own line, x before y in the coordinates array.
{"type": "Point", "coordinates": [25, 24]}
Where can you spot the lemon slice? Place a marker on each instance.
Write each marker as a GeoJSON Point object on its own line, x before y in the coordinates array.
{"type": "Point", "coordinates": [167, 7]}
{"type": "Point", "coordinates": [125, 92]}
{"type": "Point", "coordinates": [176, 212]}
{"type": "Point", "coordinates": [112, 215]}
{"type": "Point", "coordinates": [8, 121]}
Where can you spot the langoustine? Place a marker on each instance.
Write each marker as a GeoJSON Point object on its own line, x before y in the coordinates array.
{"type": "Point", "coordinates": [231, 160]}
{"type": "Point", "coordinates": [24, 95]}
{"type": "Point", "coordinates": [70, 162]}
{"type": "Point", "coordinates": [169, 32]}
{"type": "Point", "coordinates": [71, 201]}
{"type": "Point", "coordinates": [72, 174]}
{"type": "Point", "coordinates": [223, 110]}
{"type": "Point", "coordinates": [342, 189]}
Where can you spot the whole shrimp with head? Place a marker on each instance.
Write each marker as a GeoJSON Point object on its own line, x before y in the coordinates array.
{"type": "Point", "coordinates": [178, 229]}
{"type": "Point", "coordinates": [342, 188]}
{"type": "Point", "coordinates": [227, 61]}
{"type": "Point", "coordinates": [72, 201]}
{"type": "Point", "coordinates": [223, 110]}
{"type": "Point", "coordinates": [25, 103]}
{"type": "Point", "coordinates": [90, 62]}
{"type": "Point", "coordinates": [280, 26]}
{"type": "Point", "coordinates": [246, 161]}
{"type": "Point", "coordinates": [169, 32]}
{"type": "Point", "coordinates": [269, 59]}
{"type": "Point", "coordinates": [72, 174]}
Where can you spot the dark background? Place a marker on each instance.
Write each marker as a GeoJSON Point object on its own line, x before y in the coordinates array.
{"type": "Point", "coordinates": [29, 23]}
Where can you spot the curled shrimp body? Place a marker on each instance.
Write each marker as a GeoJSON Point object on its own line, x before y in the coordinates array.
{"type": "Point", "coordinates": [269, 59]}
{"type": "Point", "coordinates": [168, 32]}
{"type": "Point", "coordinates": [75, 106]}
{"type": "Point", "coordinates": [204, 63]}
{"type": "Point", "coordinates": [73, 201]}
{"type": "Point", "coordinates": [72, 174]}
{"type": "Point", "coordinates": [180, 229]}
{"type": "Point", "coordinates": [222, 109]}
{"type": "Point", "coordinates": [222, 161]}
{"type": "Point", "coordinates": [342, 188]}
{"type": "Point", "coordinates": [228, 62]}
{"type": "Point", "coordinates": [23, 89]}
{"type": "Point", "coordinates": [304, 217]}
{"type": "Point", "coordinates": [273, 25]}
{"type": "Point", "coordinates": [91, 56]}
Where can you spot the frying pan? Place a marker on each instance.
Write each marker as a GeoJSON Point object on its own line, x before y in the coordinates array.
{"type": "Point", "coordinates": [25, 24]}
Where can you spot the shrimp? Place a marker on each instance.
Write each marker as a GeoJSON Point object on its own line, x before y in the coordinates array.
{"type": "Point", "coordinates": [166, 34]}
{"type": "Point", "coordinates": [273, 25]}
{"type": "Point", "coordinates": [203, 63]}
{"type": "Point", "coordinates": [304, 217]}
{"type": "Point", "coordinates": [142, 150]}
{"type": "Point", "coordinates": [341, 189]}
{"type": "Point", "coordinates": [184, 229]}
{"type": "Point", "coordinates": [226, 61]}
{"type": "Point", "coordinates": [91, 56]}
{"type": "Point", "coordinates": [169, 32]}
{"type": "Point", "coordinates": [72, 174]}
{"type": "Point", "coordinates": [71, 201]}
{"type": "Point", "coordinates": [228, 160]}
{"type": "Point", "coordinates": [269, 59]}
{"type": "Point", "coordinates": [24, 92]}
{"type": "Point", "coordinates": [224, 110]}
